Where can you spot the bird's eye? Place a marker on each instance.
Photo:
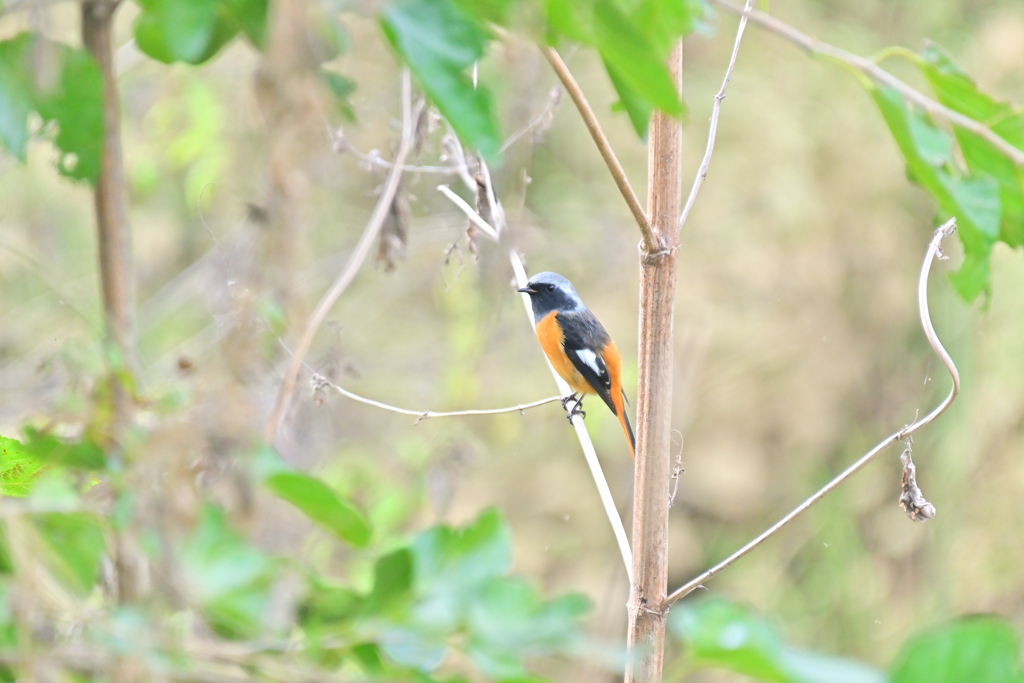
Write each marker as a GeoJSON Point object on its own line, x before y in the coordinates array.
{"type": "Point", "coordinates": [551, 288]}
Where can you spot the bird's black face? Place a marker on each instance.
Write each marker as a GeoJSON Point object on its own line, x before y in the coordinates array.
{"type": "Point", "coordinates": [551, 292]}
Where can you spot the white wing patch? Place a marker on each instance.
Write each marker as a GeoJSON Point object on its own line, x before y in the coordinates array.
{"type": "Point", "coordinates": [592, 361]}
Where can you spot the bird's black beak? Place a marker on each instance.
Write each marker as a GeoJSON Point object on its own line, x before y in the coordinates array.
{"type": "Point", "coordinates": [527, 290]}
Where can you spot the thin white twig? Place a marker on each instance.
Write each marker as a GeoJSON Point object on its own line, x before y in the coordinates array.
{"type": "Point", "coordinates": [588, 447]}
{"type": "Point", "coordinates": [421, 415]}
{"type": "Point", "coordinates": [355, 260]}
{"type": "Point", "coordinates": [702, 173]}
{"type": "Point", "coordinates": [473, 216]}
{"type": "Point", "coordinates": [934, 252]}
{"type": "Point", "coordinates": [318, 381]}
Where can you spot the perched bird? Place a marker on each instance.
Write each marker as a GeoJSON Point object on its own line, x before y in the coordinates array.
{"type": "Point", "coordinates": [578, 346]}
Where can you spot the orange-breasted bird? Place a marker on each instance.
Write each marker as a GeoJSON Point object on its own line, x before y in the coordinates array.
{"type": "Point", "coordinates": [578, 346]}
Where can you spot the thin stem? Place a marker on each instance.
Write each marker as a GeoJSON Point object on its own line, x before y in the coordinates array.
{"type": "Point", "coordinates": [318, 381]}
{"type": "Point", "coordinates": [473, 216]}
{"type": "Point", "coordinates": [588, 446]}
{"type": "Point", "coordinates": [421, 415]}
{"type": "Point", "coordinates": [878, 74]}
{"type": "Point", "coordinates": [933, 252]}
{"type": "Point", "coordinates": [702, 173]}
{"type": "Point", "coordinates": [355, 261]}
{"type": "Point", "coordinates": [651, 242]}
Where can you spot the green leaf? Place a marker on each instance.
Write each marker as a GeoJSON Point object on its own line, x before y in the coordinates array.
{"type": "Point", "coordinates": [18, 468]}
{"type": "Point", "coordinates": [392, 579]}
{"type": "Point", "coordinates": [968, 650]}
{"type": "Point", "coordinates": [637, 108]}
{"type": "Point", "coordinates": [82, 454]}
{"type": "Point", "coordinates": [634, 59]}
{"type": "Point", "coordinates": [664, 22]}
{"type": "Point", "coordinates": [76, 545]}
{"type": "Point", "coordinates": [956, 90]}
{"type": "Point", "coordinates": [251, 16]}
{"type": "Point", "coordinates": [190, 31]}
{"type": "Point", "coordinates": [720, 633]}
{"type": "Point", "coordinates": [973, 200]}
{"type": "Point", "coordinates": [76, 104]}
{"type": "Point", "coordinates": [439, 41]}
{"type": "Point", "coordinates": [16, 93]}
{"type": "Point", "coordinates": [63, 85]}
{"type": "Point", "coordinates": [341, 87]}
{"type": "Point", "coordinates": [320, 503]}
{"type": "Point", "coordinates": [461, 593]}
{"type": "Point", "coordinates": [226, 576]}
{"type": "Point", "coordinates": [509, 621]}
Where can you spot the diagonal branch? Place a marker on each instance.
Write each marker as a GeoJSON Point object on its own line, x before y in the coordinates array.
{"type": "Point", "coordinates": [355, 261]}
{"type": "Point", "coordinates": [934, 252]}
{"type": "Point", "coordinates": [702, 173]}
{"type": "Point", "coordinates": [588, 446]}
{"type": "Point", "coordinates": [651, 241]}
{"type": "Point", "coordinates": [577, 421]}
{"type": "Point", "coordinates": [876, 73]}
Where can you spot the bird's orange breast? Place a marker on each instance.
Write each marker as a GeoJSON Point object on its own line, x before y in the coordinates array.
{"type": "Point", "coordinates": [549, 334]}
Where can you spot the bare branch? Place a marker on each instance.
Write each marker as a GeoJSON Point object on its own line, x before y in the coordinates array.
{"type": "Point", "coordinates": [876, 73]}
{"type": "Point", "coordinates": [651, 241]}
{"type": "Point", "coordinates": [421, 415]}
{"type": "Point", "coordinates": [355, 261]}
{"type": "Point", "coordinates": [373, 159]}
{"type": "Point", "coordinates": [934, 252]}
{"type": "Point", "coordinates": [702, 172]}
{"type": "Point", "coordinates": [581, 432]}
{"type": "Point", "coordinates": [539, 123]}
{"type": "Point", "coordinates": [473, 216]}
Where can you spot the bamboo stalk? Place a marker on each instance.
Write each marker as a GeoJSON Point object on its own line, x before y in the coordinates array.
{"type": "Point", "coordinates": [646, 639]}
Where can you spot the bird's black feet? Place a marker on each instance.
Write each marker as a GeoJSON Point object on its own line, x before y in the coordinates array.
{"type": "Point", "coordinates": [577, 409]}
{"type": "Point", "coordinates": [566, 399]}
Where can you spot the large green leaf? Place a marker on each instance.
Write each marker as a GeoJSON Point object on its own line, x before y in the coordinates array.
{"type": "Point", "coordinates": [322, 504]}
{"type": "Point", "coordinates": [193, 31]}
{"type": "Point", "coordinates": [720, 633]}
{"type": "Point", "coordinates": [64, 86]}
{"type": "Point", "coordinates": [956, 90]}
{"type": "Point", "coordinates": [974, 200]}
{"type": "Point", "coordinates": [18, 468]}
{"type": "Point", "coordinates": [439, 41]}
{"type": "Point", "coordinates": [970, 650]}
{"type": "Point", "coordinates": [226, 576]}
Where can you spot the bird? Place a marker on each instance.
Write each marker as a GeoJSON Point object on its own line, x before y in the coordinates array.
{"type": "Point", "coordinates": [578, 346]}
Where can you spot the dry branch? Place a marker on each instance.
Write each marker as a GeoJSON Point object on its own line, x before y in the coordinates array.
{"type": "Point", "coordinates": [651, 242]}
{"type": "Point", "coordinates": [876, 73]}
{"type": "Point", "coordinates": [355, 261]}
{"type": "Point", "coordinates": [934, 252]}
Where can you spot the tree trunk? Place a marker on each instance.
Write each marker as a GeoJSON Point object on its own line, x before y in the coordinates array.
{"type": "Point", "coordinates": [654, 398]}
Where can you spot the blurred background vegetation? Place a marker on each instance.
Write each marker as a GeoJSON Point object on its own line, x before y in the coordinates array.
{"type": "Point", "coordinates": [797, 340]}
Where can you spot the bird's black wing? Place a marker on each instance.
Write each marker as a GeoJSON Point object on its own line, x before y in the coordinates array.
{"type": "Point", "coordinates": [583, 339]}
